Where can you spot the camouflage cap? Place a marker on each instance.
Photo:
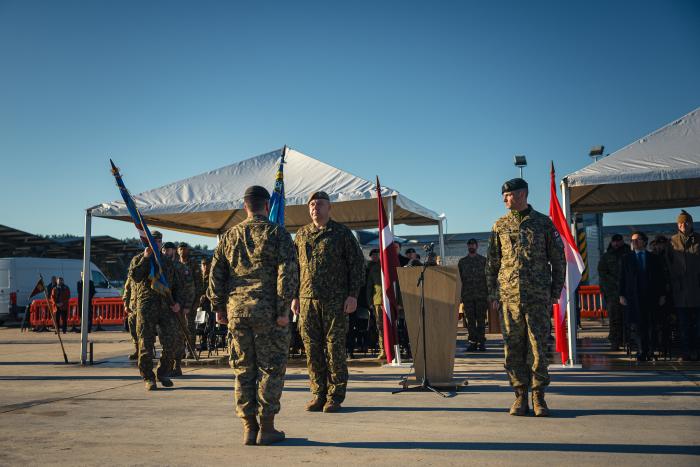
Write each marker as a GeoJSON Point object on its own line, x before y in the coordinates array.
{"type": "Point", "coordinates": [318, 195]}
{"type": "Point", "coordinates": [168, 245]}
{"type": "Point", "coordinates": [513, 185]}
{"type": "Point", "coordinates": [256, 192]}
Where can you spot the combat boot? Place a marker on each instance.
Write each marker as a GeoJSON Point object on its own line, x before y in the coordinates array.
{"type": "Point", "coordinates": [165, 381]}
{"type": "Point", "coordinates": [268, 434]}
{"type": "Point", "coordinates": [151, 385]}
{"type": "Point", "coordinates": [177, 369]}
{"type": "Point", "coordinates": [250, 430]}
{"type": "Point", "coordinates": [315, 405]}
{"type": "Point", "coordinates": [520, 406]}
{"type": "Point", "coordinates": [539, 406]}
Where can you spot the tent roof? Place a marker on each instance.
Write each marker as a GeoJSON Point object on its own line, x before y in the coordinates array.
{"type": "Point", "coordinates": [661, 170]}
{"type": "Point", "coordinates": [212, 202]}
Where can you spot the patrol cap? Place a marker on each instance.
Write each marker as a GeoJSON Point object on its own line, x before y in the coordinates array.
{"type": "Point", "coordinates": [616, 237]}
{"type": "Point", "coordinates": [514, 184]}
{"type": "Point", "coordinates": [183, 245]}
{"type": "Point", "coordinates": [318, 195]}
{"type": "Point", "coordinates": [168, 245]}
{"type": "Point", "coordinates": [256, 192]}
{"type": "Point", "coordinates": [157, 234]}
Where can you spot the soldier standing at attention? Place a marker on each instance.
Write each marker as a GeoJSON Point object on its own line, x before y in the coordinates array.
{"type": "Point", "coordinates": [375, 296]}
{"type": "Point", "coordinates": [254, 277]}
{"type": "Point", "coordinates": [194, 268]}
{"type": "Point", "coordinates": [609, 268]}
{"type": "Point", "coordinates": [155, 309]}
{"type": "Point", "coordinates": [169, 250]}
{"type": "Point", "coordinates": [525, 270]}
{"type": "Point", "coordinates": [130, 309]}
{"type": "Point", "coordinates": [331, 267]}
{"type": "Point", "coordinates": [474, 295]}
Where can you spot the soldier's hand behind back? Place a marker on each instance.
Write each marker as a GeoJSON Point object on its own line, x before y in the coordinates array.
{"type": "Point", "coordinates": [282, 321]}
{"type": "Point", "coordinates": [295, 306]}
{"type": "Point", "coordinates": [350, 305]}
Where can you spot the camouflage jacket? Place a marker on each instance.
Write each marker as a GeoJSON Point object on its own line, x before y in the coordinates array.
{"type": "Point", "coordinates": [609, 271]}
{"type": "Point", "coordinates": [525, 262]}
{"type": "Point", "coordinates": [254, 272]}
{"type": "Point", "coordinates": [141, 290]}
{"type": "Point", "coordinates": [331, 263]}
{"type": "Point", "coordinates": [188, 285]}
{"type": "Point", "coordinates": [196, 271]}
{"type": "Point", "coordinates": [127, 295]}
{"type": "Point", "coordinates": [374, 283]}
{"type": "Point", "coordinates": [472, 273]}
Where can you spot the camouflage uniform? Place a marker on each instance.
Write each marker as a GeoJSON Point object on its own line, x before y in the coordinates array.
{"type": "Point", "coordinates": [525, 270]}
{"type": "Point", "coordinates": [194, 271]}
{"type": "Point", "coordinates": [254, 276]}
{"type": "Point", "coordinates": [332, 269]}
{"type": "Point", "coordinates": [153, 309]}
{"type": "Point", "coordinates": [609, 273]}
{"type": "Point", "coordinates": [374, 298]}
{"type": "Point", "coordinates": [474, 296]}
{"type": "Point", "coordinates": [188, 293]}
{"type": "Point", "coordinates": [131, 319]}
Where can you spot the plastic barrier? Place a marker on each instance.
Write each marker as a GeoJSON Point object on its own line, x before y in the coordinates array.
{"type": "Point", "coordinates": [105, 312]}
{"type": "Point", "coordinates": [590, 301]}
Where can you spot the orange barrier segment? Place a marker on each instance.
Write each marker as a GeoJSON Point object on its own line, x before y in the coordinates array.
{"type": "Point", "coordinates": [105, 311]}
{"type": "Point", "coordinates": [590, 301]}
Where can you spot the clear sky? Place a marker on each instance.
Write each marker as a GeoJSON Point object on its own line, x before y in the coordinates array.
{"type": "Point", "coordinates": [434, 97]}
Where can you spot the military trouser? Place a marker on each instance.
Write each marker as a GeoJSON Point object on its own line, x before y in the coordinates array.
{"type": "Point", "coordinates": [379, 318]}
{"type": "Point", "coordinates": [525, 331]}
{"type": "Point", "coordinates": [259, 349]}
{"type": "Point", "coordinates": [131, 322]}
{"type": "Point", "coordinates": [168, 333]}
{"type": "Point", "coordinates": [474, 319]}
{"type": "Point", "coordinates": [324, 329]}
{"type": "Point", "coordinates": [615, 319]}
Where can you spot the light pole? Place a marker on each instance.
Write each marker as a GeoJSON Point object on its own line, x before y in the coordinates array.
{"type": "Point", "coordinates": [596, 152]}
{"type": "Point", "coordinates": [520, 161]}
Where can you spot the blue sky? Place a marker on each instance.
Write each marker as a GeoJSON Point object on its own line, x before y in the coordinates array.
{"type": "Point", "coordinates": [434, 97]}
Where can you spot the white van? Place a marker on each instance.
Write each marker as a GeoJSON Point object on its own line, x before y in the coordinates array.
{"type": "Point", "coordinates": [18, 276]}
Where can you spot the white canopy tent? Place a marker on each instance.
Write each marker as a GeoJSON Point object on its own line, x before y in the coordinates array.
{"type": "Point", "coordinates": [210, 203]}
{"type": "Point", "coordinates": [661, 170]}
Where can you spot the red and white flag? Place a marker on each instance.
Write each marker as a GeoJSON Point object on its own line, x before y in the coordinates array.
{"type": "Point", "coordinates": [574, 269]}
{"type": "Point", "coordinates": [389, 260]}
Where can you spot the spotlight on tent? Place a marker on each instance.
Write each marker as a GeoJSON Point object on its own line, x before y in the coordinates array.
{"type": "Point", "coordinates": [520, 161]}
{"type": "Point", "coordinates": [596, 152]}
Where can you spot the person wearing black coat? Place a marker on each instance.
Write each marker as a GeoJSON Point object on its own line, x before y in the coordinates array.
{"type": "Point", "coordinates": [642, 292]}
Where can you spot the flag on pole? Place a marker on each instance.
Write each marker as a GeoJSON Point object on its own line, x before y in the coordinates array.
{"type": "Point", "coordinates": [389, 261]}
{"type": "Point", "coordinates": [158, 281]}
{"type": "Point", "coordinates": [39, 287]}
{"type": "Point", "coordinates": [277, 199]}
{"type": "Point", "coordinates": [574, 269]}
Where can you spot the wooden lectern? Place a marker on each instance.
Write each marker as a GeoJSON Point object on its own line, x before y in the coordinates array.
{"type": "Point", "coordinates": [441, 311]}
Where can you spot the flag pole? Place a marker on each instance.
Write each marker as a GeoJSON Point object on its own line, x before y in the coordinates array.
{"type": "Point", "coordinates": [55, 322]}
{"type": "Point", "coordinates": [571, 295]}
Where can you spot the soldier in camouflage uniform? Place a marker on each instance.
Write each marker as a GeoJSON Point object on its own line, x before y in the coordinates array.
{"type": "Point", "coordinates": [130, 309]}
{"type": "Point", "coordinates": [609, 273]}
{"type": "Point", "coordinates": [186, 296]}
{"type": "Point", "coordinates": [193, 266]}
{"type": "Point", "coordinates": [474, 296]}
{"type": "Point", "coordinates": [154, 309]}
{"type": "Point", "coordinates": [375, 296]}
{"type": "Point", "coordinates": [525, 272]}
{"type": "Point", "coordinates": [254, 277]}
{"type": "Point", "coordinates": [332, 271]}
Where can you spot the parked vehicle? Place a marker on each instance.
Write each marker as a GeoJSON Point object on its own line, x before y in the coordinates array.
{"type": "Point", "coordinates": [18, 276]}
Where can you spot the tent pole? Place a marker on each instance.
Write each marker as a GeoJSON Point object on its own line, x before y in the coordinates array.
{"type": "Point", "coordinates": [87, 275]}
{"type": "Point", "coordinates": [571, 294]}
{"type": "Point", "coordinates": [441, 236]}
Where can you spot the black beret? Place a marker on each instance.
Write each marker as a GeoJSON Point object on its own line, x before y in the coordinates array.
{"type": "Point", "coordinates": [168, 245]}
{"type": "Point", "coordinates": [183, 245]}
{"type": "Point", "coordinates": [256, 192]}
{"type": "Point", "coordinates": [157, 234]}
{"type": "Point", "coordinates": [514, 184]}
{"type": "Point", "coordinates": [318, 195]}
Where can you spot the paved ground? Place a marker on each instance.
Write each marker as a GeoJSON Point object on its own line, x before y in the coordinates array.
{"type": "Point", "coordinates": [611, 412]}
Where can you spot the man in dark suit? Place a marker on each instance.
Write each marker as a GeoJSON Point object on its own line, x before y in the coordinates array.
{"type": "Point", "coordinates": [642, 291]}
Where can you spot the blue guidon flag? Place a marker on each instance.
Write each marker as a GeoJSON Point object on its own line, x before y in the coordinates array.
{"type": "Point", "coordinates": [277, 197]}
{"type": "Point", "coordinates": [158, 281]}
